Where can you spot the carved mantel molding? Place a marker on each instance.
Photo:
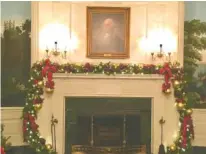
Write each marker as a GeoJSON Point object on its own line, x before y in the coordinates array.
{"type": "Point", "coordinates": [104, 76]}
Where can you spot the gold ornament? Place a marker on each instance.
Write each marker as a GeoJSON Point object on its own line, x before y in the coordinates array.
{"type": "Point", "coordinates": [49, 146]}
{"type": "Point", "coordinates": [173, 147]}
{"type": "Point", "coordinates": [40, 83]}
{"type": "Point", "coordinates": [189, 111]}
{"type": "Point", "coordinates": [180, 106]}
{"type": "Point", "coordinates": [176, 82]}
{"type": "Point", "coordinates": [168, 91]}
{"type": "Point", "coordinates": [140, 66]}
{"type": "Point", "coordinates": [49, 90]}
{"type": "Point", "coordinates": [37, 106]}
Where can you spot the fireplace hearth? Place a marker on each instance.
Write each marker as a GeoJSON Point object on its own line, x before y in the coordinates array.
{"type": "Point", "coordinates": [108, 125]}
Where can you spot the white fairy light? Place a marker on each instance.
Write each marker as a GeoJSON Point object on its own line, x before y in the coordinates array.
{"type": "Point", "coordinates": [183, 149]}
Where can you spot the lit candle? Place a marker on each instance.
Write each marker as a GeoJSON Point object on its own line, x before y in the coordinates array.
{"type": "Point", "coordinates": [65, 52]}
{"type": "Point", "coordinates": [47, 50]}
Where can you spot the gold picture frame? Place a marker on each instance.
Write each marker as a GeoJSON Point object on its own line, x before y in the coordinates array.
{"type": "Point", "coordinates": [108, 32]}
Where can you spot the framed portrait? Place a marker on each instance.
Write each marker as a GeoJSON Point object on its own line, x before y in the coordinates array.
{"type": "Point", "coordinates": [108, 32]}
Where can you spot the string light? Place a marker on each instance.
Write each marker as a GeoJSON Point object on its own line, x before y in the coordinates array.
{"type": "Point", "coordinates": [176, 82]}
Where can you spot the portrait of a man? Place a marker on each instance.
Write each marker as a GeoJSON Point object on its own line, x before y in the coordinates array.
{"type": "Point", "coordinates": [108, 32]}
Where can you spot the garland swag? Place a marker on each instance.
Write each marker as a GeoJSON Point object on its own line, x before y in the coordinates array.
{"type": "Point", "coordinates": [41, 79]}
{"type": "Point", "coordinates": [5, 145]}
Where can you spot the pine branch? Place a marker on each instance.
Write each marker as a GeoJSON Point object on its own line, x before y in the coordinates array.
{"type": "Point", "coordinates": [4, 140]}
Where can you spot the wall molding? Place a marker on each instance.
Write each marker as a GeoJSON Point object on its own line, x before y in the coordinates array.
{"type": "Point", "coordinates": [180, 42]}
{"type": "Point", "coordinates": [103, 76]}
{"type": "Point", "coordinates": [199, 127]}
{"type": "Point", "coordinates": [11, 118]}
{"type": "Point", "coordinates": [34, 32]}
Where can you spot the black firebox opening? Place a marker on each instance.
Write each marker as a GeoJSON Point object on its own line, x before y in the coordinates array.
{"type": "Point", "coordinates": [108, 130]}
{"type": "Point", "coordinates": [107, 125]}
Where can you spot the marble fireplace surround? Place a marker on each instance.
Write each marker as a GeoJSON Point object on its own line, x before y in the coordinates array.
{"type": "Point", "coordinates": [100, 85]}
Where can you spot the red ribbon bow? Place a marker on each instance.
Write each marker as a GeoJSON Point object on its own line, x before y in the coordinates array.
{"type": "Point", "coordinates": [166, 71]}
{"type": "Point", "coordinates": [187, 121]}
{"type": "Point", "coordinates": [2, 150]}
{"type": "Point", "coordinates": [47, 72]}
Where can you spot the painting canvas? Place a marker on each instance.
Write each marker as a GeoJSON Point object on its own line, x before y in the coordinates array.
{"type": "Point", "coordinates": [15, 51]}
{"type": "Point", "coordinates": [200, 86]}
{"type": "Point", "coordinates": [108, 32]}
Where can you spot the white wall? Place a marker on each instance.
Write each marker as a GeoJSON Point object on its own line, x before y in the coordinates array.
{"type": "Point", "coordinates": [145, 16]}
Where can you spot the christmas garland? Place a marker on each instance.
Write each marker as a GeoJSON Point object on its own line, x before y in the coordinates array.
{"type": "Point", "coordinates": [41, 79]}
{"type": "Point", "coordinates": [5, 145]}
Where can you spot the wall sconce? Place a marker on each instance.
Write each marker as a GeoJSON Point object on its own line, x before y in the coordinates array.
{"type": "Point", "coordinates": [56, 51]}
{"type": "Point", "coordinates": [160, 54]}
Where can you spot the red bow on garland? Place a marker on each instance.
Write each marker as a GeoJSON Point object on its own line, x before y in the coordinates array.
{"type": "Point", "coordinates": [166, 71]}
{"type": "Point", "coordinates": [2, 150]}
{"type": "Point", "coordinates": [47, 72]}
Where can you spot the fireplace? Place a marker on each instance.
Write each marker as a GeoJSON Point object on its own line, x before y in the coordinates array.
{"type": "Point", "coordinates": [96, 124]}
{"type": "Point", "coordinates": [82, 86]}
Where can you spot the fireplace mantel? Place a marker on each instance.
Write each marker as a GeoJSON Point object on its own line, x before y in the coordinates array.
{"type": "Point", "coordinates": [104, 76]}
{"type": "Point", "coordinates": [102, 85]}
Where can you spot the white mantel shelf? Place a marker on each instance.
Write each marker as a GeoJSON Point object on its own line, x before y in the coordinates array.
{"type": "Point", "coordinates": [104, 76]}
